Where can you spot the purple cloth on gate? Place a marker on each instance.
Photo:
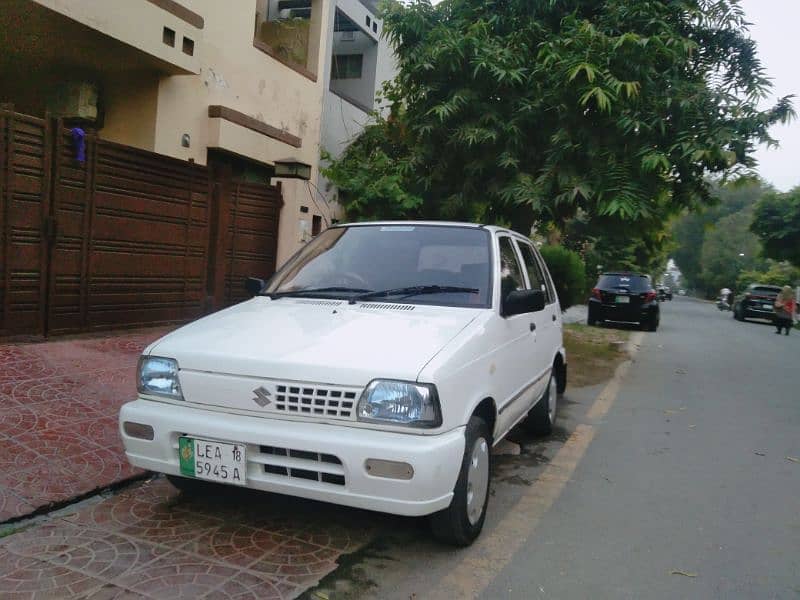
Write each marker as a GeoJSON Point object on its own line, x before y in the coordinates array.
{"type": "Point", "coordinates": [79, 143]}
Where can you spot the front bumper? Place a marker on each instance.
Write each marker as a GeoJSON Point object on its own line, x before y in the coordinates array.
{"type": "Point", "coordinates": [436, 459]}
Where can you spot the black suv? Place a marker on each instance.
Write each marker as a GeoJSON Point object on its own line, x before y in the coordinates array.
{"type": "Point", "coordinates": [757, 301]}
{"type": "Point", "coordinates": [624, 298]}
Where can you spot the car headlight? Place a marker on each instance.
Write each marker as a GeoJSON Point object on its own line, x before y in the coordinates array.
{"type": "Point", "coordinates": [400, 403]}
{"type": "Point", "coordinates": [159, 377]}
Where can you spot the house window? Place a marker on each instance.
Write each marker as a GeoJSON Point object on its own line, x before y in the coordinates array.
{"type": "Point", "coordinates": [347, 66]}
{"type": "Point", "coordinates": [168, 36]}
{"type": "Point", "coordinates": [188, 46]}
{"type": "Point", "coordinates": [316, 225]}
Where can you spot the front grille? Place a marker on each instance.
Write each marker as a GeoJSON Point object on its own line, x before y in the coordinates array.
{"type": "Point", "coordinates": [302, 464]}
{"type": "Point", "coordinates": [315, 401]}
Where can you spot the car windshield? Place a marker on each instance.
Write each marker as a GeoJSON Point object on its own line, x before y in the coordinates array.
{"type": "Point", "coordinates": [634, 283]}
{"type": "Point", "coordinates": [765, 289]}
{"type": "Point", "coordinates": [423, 264]}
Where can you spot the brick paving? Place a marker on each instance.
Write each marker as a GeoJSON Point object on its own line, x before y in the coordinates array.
{"type": "Point", "coordinates": [59, 402]}
{"type": "Point", "coordinates": [59, 440]}
{"type": "Point", "coordinates": [149, 541]}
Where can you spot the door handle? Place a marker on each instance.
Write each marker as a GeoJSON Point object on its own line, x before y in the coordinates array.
{"type": "Point", "coordinates": [533, 326]}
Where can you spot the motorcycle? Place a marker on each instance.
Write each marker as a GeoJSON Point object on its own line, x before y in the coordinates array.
{"type": "Point", "coordinates": [722, 304]}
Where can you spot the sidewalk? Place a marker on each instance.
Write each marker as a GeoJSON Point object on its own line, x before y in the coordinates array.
{"type": "Point", "coordinates": [59, 402]}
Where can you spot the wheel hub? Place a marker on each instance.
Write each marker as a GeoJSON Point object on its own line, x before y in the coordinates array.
{"type": "Point", "coordinates": [477, 480]}
{"type": "Point", "coordinates": [552, 399]}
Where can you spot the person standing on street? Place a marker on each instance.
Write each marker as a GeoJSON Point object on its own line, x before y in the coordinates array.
{"type": "Point", "coordinates": [785, 307]}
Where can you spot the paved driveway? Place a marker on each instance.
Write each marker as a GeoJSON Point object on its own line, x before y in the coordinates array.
{"type": "Point", "coordinates": [59, 402]}
{"type": "Point", "coordinates": [149, 541]}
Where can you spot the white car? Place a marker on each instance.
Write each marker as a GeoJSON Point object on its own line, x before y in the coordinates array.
{"type": "Point", "coordinates": [376, 369]}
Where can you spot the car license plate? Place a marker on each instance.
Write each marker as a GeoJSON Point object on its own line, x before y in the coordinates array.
{"type": "Point", "coordinates": [622, 300]}
{"type": "Point", "coordinates": [214, 461]}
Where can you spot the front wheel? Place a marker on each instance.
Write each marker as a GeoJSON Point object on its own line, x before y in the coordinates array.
{"type": "Point", "coordinates": [461, 522]}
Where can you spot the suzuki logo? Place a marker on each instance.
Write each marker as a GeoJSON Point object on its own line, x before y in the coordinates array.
{"type": "Point", "coordinates": [262, 396]}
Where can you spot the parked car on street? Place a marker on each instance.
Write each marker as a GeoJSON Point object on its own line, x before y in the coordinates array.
{"type": "Point", "coordinates": [757, 302]}
{"type": "Point", "coordinates": [624, 298]}
{"type": "Point", "coordinates": [681, 292]}
{"type": "Point", "coordinates": [376, 369]}
{"type": "Point", "coordinates": [664, 293]}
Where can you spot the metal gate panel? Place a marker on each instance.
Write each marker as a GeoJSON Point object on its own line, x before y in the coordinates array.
{"type": "Point", "coordinates": [252, 237]}
{"type": "Point", "coordinates": [24, 178]}
{"type": "Point", "coordinates": [148, 250]}
{"type": "Point", "coordinates": [72, 221]}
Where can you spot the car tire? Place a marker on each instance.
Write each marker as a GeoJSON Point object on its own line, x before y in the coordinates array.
{"type": "Point", "coordinates": [187, 485]}
{"type": "Point", "coordinates": [591, 322]}
{"type": "Point", "coordinates": [542, 417]}
{"type": "Point", "coordinates": [737, 313]}
{"type": "Point", "coordinates": [461, 522]}
{"type": "Point", "coordinates": [653, 325]}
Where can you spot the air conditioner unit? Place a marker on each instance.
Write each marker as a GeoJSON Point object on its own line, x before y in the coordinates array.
{"type": "Point", "coordinates": [348, 36]}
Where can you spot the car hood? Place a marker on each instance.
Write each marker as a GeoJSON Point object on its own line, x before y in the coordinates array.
{"type": "Point", "coordinates": [315, 340]}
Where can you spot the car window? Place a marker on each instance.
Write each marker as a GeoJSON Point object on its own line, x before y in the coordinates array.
{"type": "Point", "coordinates": [634, 283]}
{"type": "Point", "coordinates": [535, 275]}
{"type": "Point", "coordinates": [510, 271]}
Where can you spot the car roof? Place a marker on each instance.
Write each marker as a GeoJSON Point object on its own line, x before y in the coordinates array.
{"type": "Point", "coordinates": [766, 285]}
{"type": "Point", "coordinates": [492, 228]}
{"type": "Point", "coordinates": [624, 274]}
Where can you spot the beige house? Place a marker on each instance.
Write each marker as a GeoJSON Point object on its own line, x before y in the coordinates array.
{"type": "Point", "coordinates": [142, 142]}
{"type": "Point", "coordinates": [208, 81]}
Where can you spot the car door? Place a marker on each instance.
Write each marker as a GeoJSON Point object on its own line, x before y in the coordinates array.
{"type": "Point", "coordinates": [548, 325]}
{"type": "Point", "coordinates": [519, 364]}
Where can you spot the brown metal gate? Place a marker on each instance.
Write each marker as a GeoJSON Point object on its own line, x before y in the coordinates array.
{"type": "Point", "coordinates": [122, 239]}
{"type": "Point", "coordinates": [24, 178]}
{"type": "Point", "coordinates": [251, 240]}
{"type": "Point", "coordinates": [131, 245]}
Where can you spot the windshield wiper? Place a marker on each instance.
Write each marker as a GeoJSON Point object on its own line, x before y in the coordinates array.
{"type": "Point", "coordinates": [312, 291]}
{"type": "Point", "coordinates": [415, 290]}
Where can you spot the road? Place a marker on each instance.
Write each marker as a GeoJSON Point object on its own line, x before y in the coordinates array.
{"type": "Point", "coordinates": [678, 483]}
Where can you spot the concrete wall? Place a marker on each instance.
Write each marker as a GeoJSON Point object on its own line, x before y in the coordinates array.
{"type": "Point", "coordinates": [236, 74]}
{"type": "Point", "coordinates": [139, 24]}
{"type": "Point", "coordinates": [130, 102]}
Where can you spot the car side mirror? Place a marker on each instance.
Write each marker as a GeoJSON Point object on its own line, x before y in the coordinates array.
{"type": "Point", "coordinates": [254, 285]}
{"type": "Point", "coordinates": [523, 301]}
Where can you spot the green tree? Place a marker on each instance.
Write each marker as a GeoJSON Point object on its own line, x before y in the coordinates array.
{"type": "Point", "coordinates": [614, 244]}
{"type": "Point", "coordinates": [568, 273]}
{"type": "Point", "coordinates": [777, 273]}
{"type": "Point", "coordinates": [518, 111]}
{"type": "Point", "coordinates": [689, 231]}
{"type": "Point", "coordinates": [776, 221]}
{"type": "Point", "coordinates": [729, 248]}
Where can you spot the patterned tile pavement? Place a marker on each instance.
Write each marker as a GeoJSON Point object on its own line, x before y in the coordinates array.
{"type": "Point", "coordinates": [58, 406]}
{"type": "Point", "coordinates": [149, 541]}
